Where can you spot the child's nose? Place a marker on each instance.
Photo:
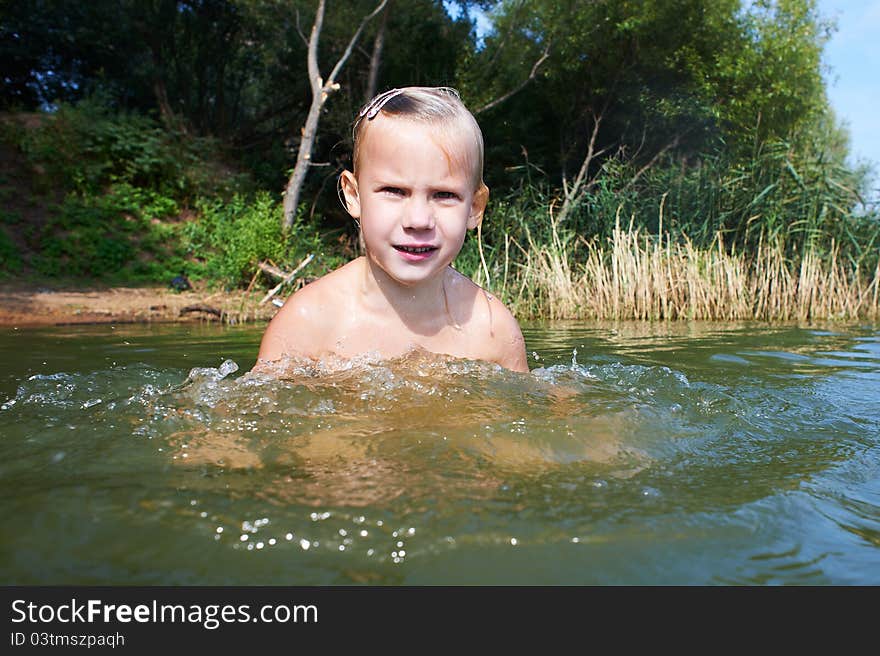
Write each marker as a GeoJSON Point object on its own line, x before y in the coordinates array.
{"type": "Point", "coordinates": [419, 215]}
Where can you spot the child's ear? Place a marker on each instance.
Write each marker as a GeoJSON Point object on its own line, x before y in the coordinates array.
{"type": "Point", "coordinates": [349, 186]}
{"type": "Point", "coordinates": [478, 206]}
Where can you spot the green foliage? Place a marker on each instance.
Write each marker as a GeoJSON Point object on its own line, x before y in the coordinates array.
{"type": "Point", "coordinates": [85, 148]}
{"type": "Point", "coordinates": [10, 258]}
{"type": "Point", "coordinates": [229, 239]}
{"type": "Point", "coordinates": [680, 76]}
{"type": "Point", "coordinates": [116, 235]}
{"type": "Point", "coordinates": [123, 177]}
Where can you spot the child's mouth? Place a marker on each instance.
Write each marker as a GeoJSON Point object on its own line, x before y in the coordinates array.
{"type": "Point", "coordinates": [415, 249]}
{"type": "Point", "coordinates": [415, 253]}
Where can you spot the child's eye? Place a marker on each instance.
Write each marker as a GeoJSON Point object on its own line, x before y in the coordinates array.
{"type": "Point", "coordinates": [446, 195]}
{"type": "Point", "coordinates": [394, 191]}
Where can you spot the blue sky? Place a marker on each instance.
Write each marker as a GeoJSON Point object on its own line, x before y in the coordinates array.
{"type": "Point", "coordinates": [853, 79]}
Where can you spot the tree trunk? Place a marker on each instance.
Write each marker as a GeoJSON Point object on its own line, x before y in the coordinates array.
{"type": "Point", "coordinates": [303, 161]}
{"type": "Point", "coordinates": [376, 58]}
{"type": "Point", "coordinates": [304, 154]}
{"type": "Point", "coordinates": [162, 101]}
{"type": "Point", "coordinates": [320, 91]}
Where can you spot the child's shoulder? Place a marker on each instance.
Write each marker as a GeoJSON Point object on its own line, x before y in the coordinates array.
{"type": "Point", "coordinates": [307, 320]}
{"type": "Point", "coordinates": [493, 324]}
{"type": "Point", "coordinates": [312, 300]}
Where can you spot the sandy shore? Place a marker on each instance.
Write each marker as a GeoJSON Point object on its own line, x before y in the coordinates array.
{"type": "Point", "coordinates": [31, 305]}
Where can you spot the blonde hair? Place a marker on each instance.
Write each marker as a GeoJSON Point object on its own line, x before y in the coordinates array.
{"type": "Point", "coordinates": [440, 107]}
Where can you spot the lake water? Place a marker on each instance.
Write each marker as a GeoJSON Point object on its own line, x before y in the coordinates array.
{"type": "Point", "coordinates": [632, 454]}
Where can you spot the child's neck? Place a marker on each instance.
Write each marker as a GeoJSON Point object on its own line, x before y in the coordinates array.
{"type": "Point", "coordinates": [422, 306]}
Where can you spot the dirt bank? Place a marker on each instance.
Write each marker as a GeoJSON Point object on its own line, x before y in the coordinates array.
{"type": "Point", "coordinates": [24, 304]}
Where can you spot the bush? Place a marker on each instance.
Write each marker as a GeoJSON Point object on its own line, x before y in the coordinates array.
{"type": "Point", "coordinates": [88, 147]}
{"type": "Point", "coordinates": [231, 238]}
{"type": "Point", "coordinates": [115, 235]}
{"type": "Point", "coordinates": [121, 175]}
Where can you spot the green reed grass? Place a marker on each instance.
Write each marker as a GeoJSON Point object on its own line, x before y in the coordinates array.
{"type": "Point", "coordinates": [776, 238]}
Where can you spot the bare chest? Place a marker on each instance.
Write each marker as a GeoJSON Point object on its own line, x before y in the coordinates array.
{"type": "Point", "coordinates": [358, 336]}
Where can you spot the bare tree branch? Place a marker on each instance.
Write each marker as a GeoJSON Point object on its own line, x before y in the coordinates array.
{"type": "Point", "coordinates": [376, 56]}
{"type": "Point", "coordinates": [312, 58]}
{"type": "Point", "coordinates": [578, 188]}
{"type": "Point", "coordinates": [672, 144]}
{"type": "Point", "coordinates": [354, 39]}
{"type": "Point", "coordinates": [299, 30]}
{"type": "Point", "coordinates": [520, 87]}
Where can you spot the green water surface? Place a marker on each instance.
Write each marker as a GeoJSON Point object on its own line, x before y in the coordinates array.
{"type": "Point", "coordinates": [632, 454]}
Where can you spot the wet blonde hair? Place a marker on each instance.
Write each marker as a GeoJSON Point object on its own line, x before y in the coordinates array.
{"type": "Point", "coordinates": [439, 107]}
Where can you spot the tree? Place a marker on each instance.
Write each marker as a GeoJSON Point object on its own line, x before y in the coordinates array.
{"type": "Point", "coordinates": [659, 77]}
{"type": "Point", "coordinates": [321, 90]}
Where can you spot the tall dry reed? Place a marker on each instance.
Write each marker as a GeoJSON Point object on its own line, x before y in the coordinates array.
{"type": "Point", "coordinates": [635, 275]}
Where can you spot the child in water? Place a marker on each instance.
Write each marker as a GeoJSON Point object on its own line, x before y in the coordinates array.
{"type": "Point", "coordinates": [416, 189]}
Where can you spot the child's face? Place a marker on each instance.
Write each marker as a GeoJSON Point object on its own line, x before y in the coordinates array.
{"type": "Point", "coordinates": [415, 197]}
